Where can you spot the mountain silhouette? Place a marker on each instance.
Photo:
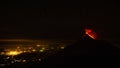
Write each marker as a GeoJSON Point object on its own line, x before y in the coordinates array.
{"type": "Point", "coordinates": [85, 51]}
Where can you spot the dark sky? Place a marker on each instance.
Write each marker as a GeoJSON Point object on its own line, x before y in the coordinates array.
{"type": "Point", "coordinates": [59, 19]}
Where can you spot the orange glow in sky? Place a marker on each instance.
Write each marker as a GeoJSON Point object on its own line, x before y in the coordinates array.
{"type": "Point", "coordinates": [90, 33]}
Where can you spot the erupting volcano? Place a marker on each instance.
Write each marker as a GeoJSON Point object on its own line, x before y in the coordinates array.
{"type": "Point", "coordinates": [91, 33]}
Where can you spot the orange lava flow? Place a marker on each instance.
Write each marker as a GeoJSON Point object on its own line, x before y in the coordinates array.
{"type": "Point", "coordinates": [90, 33]}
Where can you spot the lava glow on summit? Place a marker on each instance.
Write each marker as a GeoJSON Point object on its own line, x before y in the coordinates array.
{"type": "Point", "coordinates": [91, 33]}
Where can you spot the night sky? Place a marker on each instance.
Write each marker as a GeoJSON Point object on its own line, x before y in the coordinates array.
{"type": "Point", "coordinates": [59, 19]}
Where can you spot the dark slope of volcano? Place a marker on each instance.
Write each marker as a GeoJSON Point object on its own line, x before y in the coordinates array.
{"type": "Point", "coordinates": [84, 51]}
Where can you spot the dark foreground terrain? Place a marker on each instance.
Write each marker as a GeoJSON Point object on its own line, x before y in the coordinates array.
{"type": "Point", "coordinates": [85, 52]}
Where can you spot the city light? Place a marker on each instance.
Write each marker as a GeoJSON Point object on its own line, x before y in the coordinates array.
{"type": "Point", "coordinates": [30, 49]}
{"type": "Point", "coordinates": [20, 53]}
{"type": "Point", "coordinates": [13, 53]}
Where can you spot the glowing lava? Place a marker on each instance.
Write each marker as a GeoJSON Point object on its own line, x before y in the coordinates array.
{"type": "Point", "coordinates": [90, 33]}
